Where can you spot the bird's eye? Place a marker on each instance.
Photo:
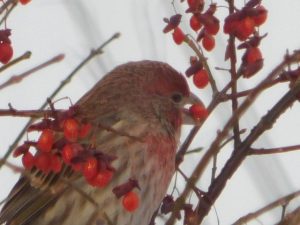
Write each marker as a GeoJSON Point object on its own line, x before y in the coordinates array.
{"type": "Point", "coordinates": [176, 97]}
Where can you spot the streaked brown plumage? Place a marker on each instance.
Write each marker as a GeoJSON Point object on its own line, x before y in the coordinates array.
{"type": "Point", "coordinates": [141, 104]}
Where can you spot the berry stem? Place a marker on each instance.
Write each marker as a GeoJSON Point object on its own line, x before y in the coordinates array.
{"type": "Point", "coordinates": [7, 13]}
{"type": "Point", "coordinates": [234, 78]}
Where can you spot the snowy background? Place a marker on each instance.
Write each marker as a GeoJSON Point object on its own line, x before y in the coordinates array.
{"type": "Point", "coordinates": [73, 27]}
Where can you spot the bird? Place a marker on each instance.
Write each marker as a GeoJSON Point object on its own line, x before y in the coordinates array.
{"type": "Point", "coordinates": [136, 111]}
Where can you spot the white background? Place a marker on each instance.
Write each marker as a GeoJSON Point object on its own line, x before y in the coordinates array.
{"type": "Point", "coordinates": [73, 27]}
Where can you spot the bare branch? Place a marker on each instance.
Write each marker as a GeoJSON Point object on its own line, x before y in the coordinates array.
{"type": "Point", "coordinates": [281, 201]}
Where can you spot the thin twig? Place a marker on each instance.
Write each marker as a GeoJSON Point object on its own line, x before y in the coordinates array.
{"type": "Point", "coordinates": [7, 13]}
{"type": "Point", "coordinates": [25, 113]}
{"type": "Point", "coordinates": [263, 151]}
{"type": "Point", "coordinates": [247, 92]}
{"type": "Point", "coordinates": [6, 5]}
{"type": "Point", "coordinates": [281, 201]}
{"type": "Point", "coordinates": [18, 78]}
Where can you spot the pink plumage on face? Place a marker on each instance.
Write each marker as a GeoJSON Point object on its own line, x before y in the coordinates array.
{"type": "Point", "coordinates": [136, 112]}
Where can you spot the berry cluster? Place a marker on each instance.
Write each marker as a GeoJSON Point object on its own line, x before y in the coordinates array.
{"type": "Point", "coordinates": [205, 24]}
{"type": "Point", "coordinates": [6, 51]}
{"type": "Point", "coordinates": [58, 143]}
{"type": "Point", "coordinates": [243, 25]}
{"type": "Point", "coordinates": [62, 142]}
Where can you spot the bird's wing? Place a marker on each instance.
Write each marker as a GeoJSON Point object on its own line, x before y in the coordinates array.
{"type": "Point", "coordinates": [31, 194]}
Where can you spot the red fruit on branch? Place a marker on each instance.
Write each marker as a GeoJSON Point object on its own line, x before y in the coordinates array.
{"type": "Point", "coordinates": [245, 28]}
{"type": "Point", "coordinates": [28, 160]}
{"type": "Point", "coordinates": [68, 153]}
{"type": "Point", "coordinates": [252, 55]}
{"type": "Point", "coordinates": [249, 69]}
{"type": "Point", "coordinates": [46, 140]}
{"type": "Point", "coordinates": [6, 52]}
{"type": "Point", "coordinates": [212, 25]}
{"type": "Point", "coordinates": [102, 178]}
{"type": "Point", "coordinates": [195, 23]}
{"type": "Point", "coordinates": [42, 161]}
{"type": "Point", "coordinates": [198, 112]}
{"type": "Point", "coordinates": [178, 36]}
{"type": "Point", "coordinates": [208, 42]}
{"type": "Point", "coordinates": [90, 168]}
{"type": "Point", "coordinates": [130, 201]}
{"type": "Point", "coordinates": [261, 16]}
{"type": "Point", "coordinates": [71, 129]}
{"type": "Point", "coordinates": [201, 78]}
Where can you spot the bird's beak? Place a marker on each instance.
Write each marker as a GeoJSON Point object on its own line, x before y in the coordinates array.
{"type": "Point", "coordinates": [187, 118]}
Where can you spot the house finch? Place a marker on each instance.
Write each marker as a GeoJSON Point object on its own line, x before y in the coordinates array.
{"type": "Point", "coordinates": [136, 112]}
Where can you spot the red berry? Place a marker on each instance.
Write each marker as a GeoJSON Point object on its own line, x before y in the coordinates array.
{"type": "Point", "coordinates": [85, 129]}
{"type": "Point", "coordinates": [28, 160]}
{"type": "Point", "coordinates": [71, 129]}
{"type": "Point", "coordinates": [56, 164]}
{"type": "Point", "coordinates": [102, 178]}
{"type": "Point", "coordinates": [131, 201]}
{"type": "Point", "coordinates": [253, 55]}
{"type": "Point", "coordinates": [195, 23]}
{"type": "Point", "coordinates": [46, 140]}
{"type": "Point", "coordinates": [24, 2]}
{"type": "Point", "coordinates": [261, 16]}
{"type": "Point", "coordinates": [198, 112]}
{"type": "Point", "coordinates": [42, 161]}
{"type": "Point", "coordinates": [67, 153]}
{"type": "Point", "coordinates": [201, 78]}
{"type": "Point", "coordinates": [245, 28]}
{"type": "Point", "coordinates": [6, 52]}
{"type": "Point", "coordinates": [178, 36]}
{"type": "Point", "coordinates": [90, 167]}
{"type": "Point", "coordinates": [208, 42]}
{"type": "Point", "coordinates": [213, 27]}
